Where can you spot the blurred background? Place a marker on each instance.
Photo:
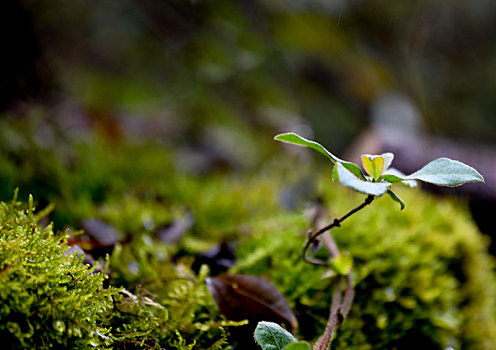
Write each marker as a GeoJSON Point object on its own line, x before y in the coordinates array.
{"type": "Point", "coordinates": [213, 81]}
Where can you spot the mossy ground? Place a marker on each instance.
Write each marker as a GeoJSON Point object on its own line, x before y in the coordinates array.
{"type": "Point", "coordinates": [422, 276]}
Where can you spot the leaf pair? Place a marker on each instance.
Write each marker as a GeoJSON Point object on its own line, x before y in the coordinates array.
{"type": "Point", "coordinates": [442, 171]}
{"type": "Point", "coordinates": [271, 336]}
{"type": "Point", "coordinates": [376, 165]}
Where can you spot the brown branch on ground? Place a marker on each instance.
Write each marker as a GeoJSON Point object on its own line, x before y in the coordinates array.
{"type": "Point", "coordinates": [341, 299]}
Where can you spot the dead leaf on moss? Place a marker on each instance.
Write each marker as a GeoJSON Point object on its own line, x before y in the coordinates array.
{"type": "Point", "coordinates": [249, 297]}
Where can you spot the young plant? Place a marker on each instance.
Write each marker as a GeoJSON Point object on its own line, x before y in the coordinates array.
{"type": "Point", "coordinates": [376, 181]}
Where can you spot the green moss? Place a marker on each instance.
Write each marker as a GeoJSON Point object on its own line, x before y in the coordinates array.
{"type": "Point", "coordinates": [182, 311]}
{"type": "Point", "coordinates": [52, 300]}
{"type": "Point", "coordinates": [48, 299]}
{"type": "Point", "coordinates": [422, 276]}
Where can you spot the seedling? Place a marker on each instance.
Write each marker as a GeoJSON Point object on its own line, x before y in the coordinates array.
{"type": "Point", "coordinates": [376, 181]}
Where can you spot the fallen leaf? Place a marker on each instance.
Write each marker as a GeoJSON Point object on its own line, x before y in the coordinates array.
{"type": "Point", "coordinates": [87, 258]}
{"type": "Point", "coordinates": [175, 230]}
{"type": "Point", "coordinates": [104, 234]}
{"type": "Point", "coordinates": [253, 298]}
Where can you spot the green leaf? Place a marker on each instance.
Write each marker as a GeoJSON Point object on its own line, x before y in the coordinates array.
{"type": "Point", "coordinates": [391, 178]}
{"type": "Point", "coordinates": [396, 199]}
{"type": "Point", "coordinates": [342, 263]}
{"type": "Point", "coordinates": [350, 180]}
{"type": "Point", "coordinates": [373, 165]}
{"type": "Point", "coordinates": [298, 140]}
{"type": "Point", "coordinates": [301, 141]}
{"type": "Point", "coordinates": [335, 175]}
{"type": "Point", "coordinates": [271, 336]}
{"type": "Point", "coordinates": [393, 175]}
{"type": "Point", "coordinates": [446, 172]}
{"type": "Point", "coordinates": [301, 345]}
{"type": "Point", "coordinates": [353, 168]}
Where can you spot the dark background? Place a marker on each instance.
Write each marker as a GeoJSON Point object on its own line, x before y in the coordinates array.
{"type": "Point", "coordinates": [215, 80]}
{"type": "Point", "coordinates": [256, 64]}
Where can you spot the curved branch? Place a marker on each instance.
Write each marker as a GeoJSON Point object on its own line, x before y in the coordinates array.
{"type": "Point", "coordinates": [341, 300]}
{"type": "Point", "coordinates": [336, 223]}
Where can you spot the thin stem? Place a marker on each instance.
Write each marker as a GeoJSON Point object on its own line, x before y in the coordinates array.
{"type": "Point", "coordinates": [336, 223]}
{"type": "Point", "coordinates": [348, 297]}
{"type": "Point", "coordinates": [339, 311]}
{"type": "Point", "coordinates": [335, 318]}
{"type": "Point", "coordinates": [341, 300]}
{"type": "Point", "coordinates": [330, 244]}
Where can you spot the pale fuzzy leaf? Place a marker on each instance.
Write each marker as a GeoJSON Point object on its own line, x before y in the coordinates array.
{"type": "Point", "coordinates": [271, 336]}
{"type": "Point", "coordinates": [353, 168]}
{"type": "Point", "coordinates": [446, 172]}
{"type": "Point", "coordinates": [388, 159]}
{"type": "Point", "coordinates": [396, 199]}
{"type": "Point", "coordinates": [353, 182]}
{"type": "Point", "coordinates": [301, 141]}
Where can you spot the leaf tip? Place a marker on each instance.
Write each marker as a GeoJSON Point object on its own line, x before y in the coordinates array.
{"type": "Point", "coordinates": [397, 199]}
{"type": "Point", "coordinates": [281, 137]}
{"type": "Point", "coordinates": [481, 178]}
